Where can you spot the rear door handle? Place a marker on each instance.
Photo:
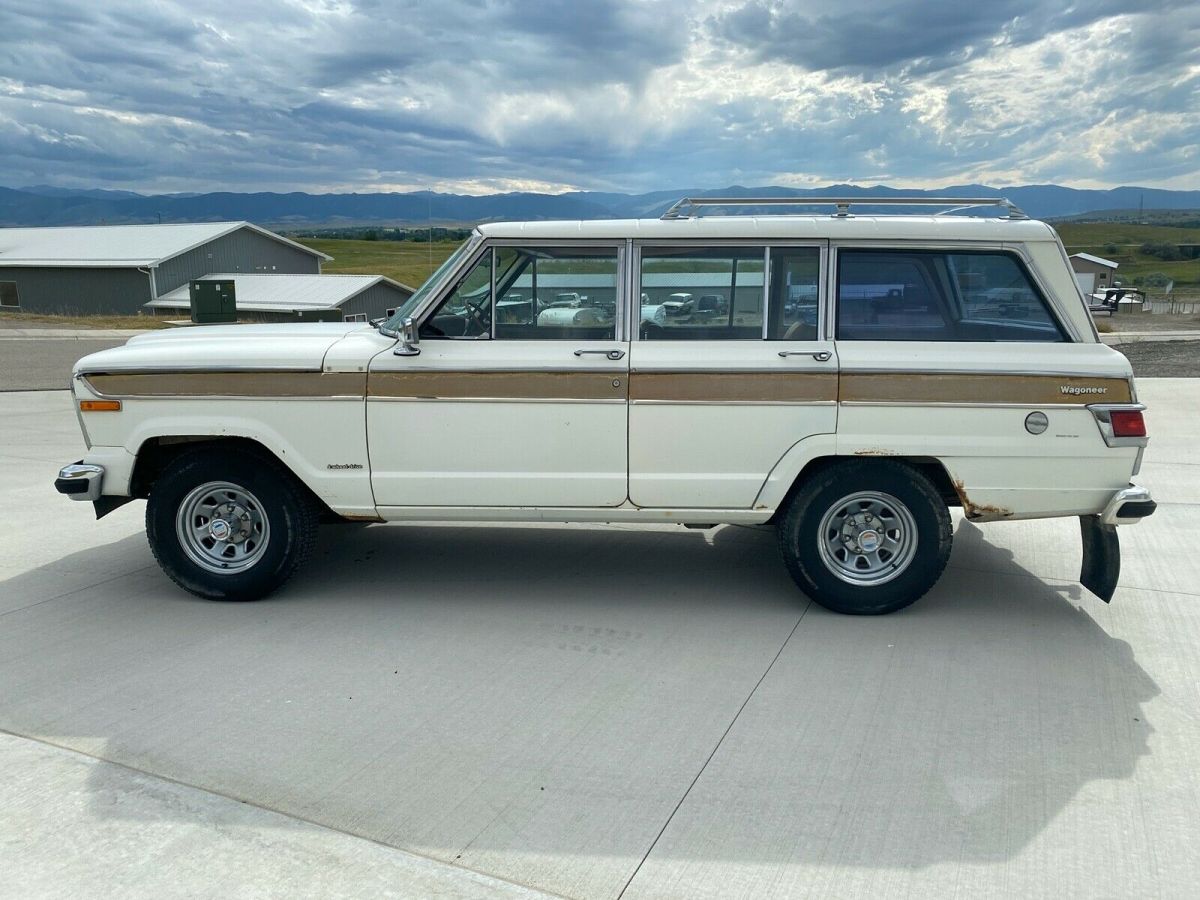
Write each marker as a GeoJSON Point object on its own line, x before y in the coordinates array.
{"type": "Point", "coordinates": [611, 354]}
{"type": "Point", "coordinates": [818, 355]}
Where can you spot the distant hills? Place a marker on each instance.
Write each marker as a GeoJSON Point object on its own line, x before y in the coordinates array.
{"type": "Point", "coordinates": [45, 205]}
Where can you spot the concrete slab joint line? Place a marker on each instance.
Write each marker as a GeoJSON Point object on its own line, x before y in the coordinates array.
{"type": "Point", "coordinates": [164, 824]}
{"type": "Point", "coordinates": [594, 710]}
{"type": "Point", "coordinates": [716, 747]}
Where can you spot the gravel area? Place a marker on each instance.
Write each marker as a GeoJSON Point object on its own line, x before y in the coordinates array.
{"type": "Point", "coordinates": [1165, 359]}
{"type": "Point", "coordinates": [1143, 321]}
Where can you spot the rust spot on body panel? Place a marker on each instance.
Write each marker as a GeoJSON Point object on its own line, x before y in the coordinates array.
{"type": "Point", "coordinates": [977, 511]}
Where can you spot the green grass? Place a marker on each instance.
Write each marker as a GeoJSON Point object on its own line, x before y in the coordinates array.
{"type": "Point", "coordinates": [405, 261]}
{"type": "Point", "coordinates": [12, 319]}
{"type": "Point", "coordinates": [1099, 238]}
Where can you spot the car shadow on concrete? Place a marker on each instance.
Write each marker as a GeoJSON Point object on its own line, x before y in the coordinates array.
{"type": "Point", "coordinates": [495, 696]}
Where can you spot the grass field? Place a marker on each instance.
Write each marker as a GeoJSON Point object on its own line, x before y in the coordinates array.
{"type": "Point", "coordinates": [1100, 239]}
{"type": "Point", "coordinates": [405, 261]}
{"type": "Point", "coordinates": [10, 319]}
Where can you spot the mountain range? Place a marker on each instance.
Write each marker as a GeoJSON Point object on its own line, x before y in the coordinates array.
{"type": "Point", "coordinates": [45, 205]}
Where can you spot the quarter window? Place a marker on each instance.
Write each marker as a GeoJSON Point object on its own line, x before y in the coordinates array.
{"type": "Point", "coordinates": [8, 294]}
{"type": "Point", "coordinates": [917, 295]}
{"type": "Point", "coordinates": [792, 310]}
{"type": "Point", "coordinates": [712, 293]}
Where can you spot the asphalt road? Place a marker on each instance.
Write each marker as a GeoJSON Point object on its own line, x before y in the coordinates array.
{"type": "Point", "coordinates": [43, 364]}
{"type": "Point", "coordinates": [597, 711]}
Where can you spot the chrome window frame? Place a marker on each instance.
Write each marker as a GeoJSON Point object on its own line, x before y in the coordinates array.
{"type": "Point", "coordinates": [490, 245]}
{"type": "Point", "coordinates": [635, 278]}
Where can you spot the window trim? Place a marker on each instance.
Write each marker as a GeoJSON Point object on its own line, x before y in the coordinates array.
{"type": "Point", "coordinates": [16, 293]}
{"type": "Point", "coordinates": [1023, 261]}
{"type": "Point", "coordinates": [491, 245]}
{"type": "Point", "coordinates": [822, 245]}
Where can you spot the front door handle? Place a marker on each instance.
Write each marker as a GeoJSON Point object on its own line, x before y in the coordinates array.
{"type": "Point", "coordinates": [818, 355]}
{"type": "Point", "coordinates": [611, 354]}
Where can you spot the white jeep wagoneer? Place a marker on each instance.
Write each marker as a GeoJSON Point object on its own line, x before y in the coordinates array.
{"type": "Point", "coordinates": [844, 378]}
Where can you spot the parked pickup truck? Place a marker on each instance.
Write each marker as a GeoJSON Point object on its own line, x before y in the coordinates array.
{"type": "Point", "coordinates": [853, 426]}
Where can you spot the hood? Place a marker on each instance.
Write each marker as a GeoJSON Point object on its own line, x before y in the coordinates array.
{"type": "Point", "coordinates": [298, 347]}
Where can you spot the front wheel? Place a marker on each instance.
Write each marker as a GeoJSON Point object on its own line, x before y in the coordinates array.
{"type": "Point", "coordinates": [866, 537]}
{"type": "Point", "coordinates": [229, 526]}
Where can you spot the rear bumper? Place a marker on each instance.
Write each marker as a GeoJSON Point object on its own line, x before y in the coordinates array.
{"type": "Point", "coordinates": [1128, 506]}
{"type": "Point", "coordinates": [80, 481]}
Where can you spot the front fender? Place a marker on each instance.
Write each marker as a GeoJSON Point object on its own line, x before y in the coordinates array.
{"type": "Point", "coordinates": [322, 442]}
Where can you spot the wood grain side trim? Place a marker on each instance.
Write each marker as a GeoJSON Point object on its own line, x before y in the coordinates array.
{"type": "Point", "coordinates": [249, 384]}
{"type": "Point", "coordinates": [498, 385]}
{"type": "Point", "coordinates": [1033, 390]}
{"type": "Point", "coordinates": [726, 387]}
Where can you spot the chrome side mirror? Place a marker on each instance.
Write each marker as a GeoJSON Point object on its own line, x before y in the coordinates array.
{"type": "Point", "coordinates": [408, 339]}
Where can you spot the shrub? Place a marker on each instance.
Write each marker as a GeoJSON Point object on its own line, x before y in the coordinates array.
{"type": "Point", "coordinates": [1163, 251]}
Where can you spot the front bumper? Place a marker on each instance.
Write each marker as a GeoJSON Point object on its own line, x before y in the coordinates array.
{"type": "Point", "coordinates": [80, 481]}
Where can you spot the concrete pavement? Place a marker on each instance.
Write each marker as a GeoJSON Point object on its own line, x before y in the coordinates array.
{"type": "Point", "coordinates": [597, 711]}
{"type": "Point", "coordinates": [33, 365]}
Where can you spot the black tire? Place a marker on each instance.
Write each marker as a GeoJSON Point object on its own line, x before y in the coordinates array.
{"type": "Point", "coordinates": [271, 500]}
{"type": "Point", "coordinates": [825, 562]}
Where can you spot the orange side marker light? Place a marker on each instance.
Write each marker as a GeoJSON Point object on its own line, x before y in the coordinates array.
{"type": "Point", "coordinates": [99, 405]}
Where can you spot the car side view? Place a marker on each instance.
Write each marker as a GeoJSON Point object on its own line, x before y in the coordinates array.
{"type": "Point", "coordinates": [845, 378]}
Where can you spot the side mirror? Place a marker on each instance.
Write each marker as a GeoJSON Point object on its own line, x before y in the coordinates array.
{"type": "Point", "coordinates": [408, 339]}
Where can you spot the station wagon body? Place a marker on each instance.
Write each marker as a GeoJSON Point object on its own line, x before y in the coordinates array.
{"type": "Point", "coordinates": [848, 379]}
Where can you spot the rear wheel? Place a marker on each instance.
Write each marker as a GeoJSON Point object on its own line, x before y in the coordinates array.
{"type": "Point", "coordinates": [866, 537]}
{"type": "Point", "coordinates": [229, 526]}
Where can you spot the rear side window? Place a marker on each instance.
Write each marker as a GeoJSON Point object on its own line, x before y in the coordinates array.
{"type": "Point", "coordinates": [929, 295]}
{"type": "Point", "coordinates": [706, 293]}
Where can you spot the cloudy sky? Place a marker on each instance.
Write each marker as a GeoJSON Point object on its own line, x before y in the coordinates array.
{"type": "Point", "coordinates": [625, 95]}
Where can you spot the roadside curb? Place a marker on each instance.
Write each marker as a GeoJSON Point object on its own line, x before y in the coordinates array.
{"type": "Point", "coordinates": [70, 334]}
{"type": "Point", "coordinates": [1134, 337]}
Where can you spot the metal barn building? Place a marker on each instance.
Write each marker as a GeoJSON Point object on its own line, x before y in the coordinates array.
{"type": "Point", "coordinates": [118, 269]}
{"type": "Point", "coordinates": [287, 297]}
{"type": "Point", "coordinates": [1094, 273]}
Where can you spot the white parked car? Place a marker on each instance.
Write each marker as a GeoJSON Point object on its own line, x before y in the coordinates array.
{"type": "Point", "coordinates": [852, 428]}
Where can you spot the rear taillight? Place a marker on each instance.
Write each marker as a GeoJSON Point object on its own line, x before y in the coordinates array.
{"type": "Point", "coordinates": [1128, 423]}
{"type": "Point", "coordinates": [1120, 424]}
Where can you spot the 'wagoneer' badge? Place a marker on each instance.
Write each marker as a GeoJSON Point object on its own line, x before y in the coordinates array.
{"type": "Point", "coordinates": [1072, 389]}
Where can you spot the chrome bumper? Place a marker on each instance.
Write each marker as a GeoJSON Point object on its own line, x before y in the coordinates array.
{"type": "Point", "coordinates": [80, 481]}
{"type": "Point", "coordinates": [1127, 506]}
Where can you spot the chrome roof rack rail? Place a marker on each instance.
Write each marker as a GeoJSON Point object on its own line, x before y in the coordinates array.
{"type": "Point", "coordinates": [688, 207]}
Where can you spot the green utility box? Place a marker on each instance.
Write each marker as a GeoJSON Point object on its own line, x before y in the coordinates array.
{"type": "Point", "coordinates": [212, 302]}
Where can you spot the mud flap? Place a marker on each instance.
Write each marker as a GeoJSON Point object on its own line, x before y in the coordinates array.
{"type": "Point", "coordinates": [104, 505]}
{"type": "Point", "coordinates": [1101, 557]}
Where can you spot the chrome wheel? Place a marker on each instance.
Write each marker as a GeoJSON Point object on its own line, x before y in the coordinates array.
{"type": "Point", "coordinates": [222, 527]}
{"type": "Point", "coordinates": [867, 538]}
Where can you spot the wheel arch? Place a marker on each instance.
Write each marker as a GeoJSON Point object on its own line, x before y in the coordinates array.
{"type": "Point", "coordinates": [786, 486]}
{"type": "Point", "coordinates": [156, 454]}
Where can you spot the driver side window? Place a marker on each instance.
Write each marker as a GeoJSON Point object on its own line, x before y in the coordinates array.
{"type": "Point", "coordinates": [532, 293]}
{"type": "Point", "coordinates": [467, 312]}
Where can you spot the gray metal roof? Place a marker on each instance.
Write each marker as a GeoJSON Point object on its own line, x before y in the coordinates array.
{"type": "Point", "coordinates": [1098, 260]}
{"type": "Point", "coordinates": [117, 246]}
{"type": "Point", "coordinates": [283, 293]}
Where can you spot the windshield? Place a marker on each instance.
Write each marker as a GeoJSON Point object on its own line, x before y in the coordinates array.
{"type": "Point", "coordinates": [405, 309]}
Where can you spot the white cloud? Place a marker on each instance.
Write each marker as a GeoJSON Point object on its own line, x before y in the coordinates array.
{"type": "Point", "coordinates": [612, 94]}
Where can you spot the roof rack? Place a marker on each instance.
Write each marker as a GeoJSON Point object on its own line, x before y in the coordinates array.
{"type": "Point", "coordinates": [687, 207]}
